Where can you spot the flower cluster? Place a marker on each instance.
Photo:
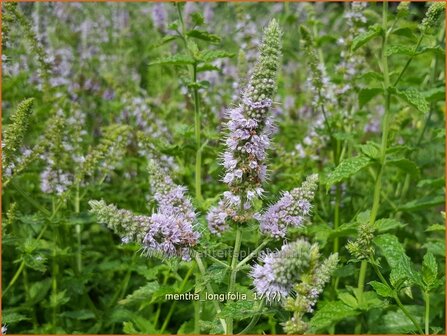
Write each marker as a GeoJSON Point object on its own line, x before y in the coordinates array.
{"type": "Point", "coordinates": [14, 134]}
{"type": "Point", "coordinates": [307, 292]}
{"type": "Point", "coordinates": [319, 81]}
{"type": "Point", "coordinates": [433, 14]}
{"type": "Point", "coordinates": [159, 16]}
{"type": "Point", "coordinates": [249, 128]}
{"type": "Point", "coordinates": [169, 232]}
{"type": "Point", "coordinates": [293, 209]}
{"type": "Point", "coordinates": [282, 269]}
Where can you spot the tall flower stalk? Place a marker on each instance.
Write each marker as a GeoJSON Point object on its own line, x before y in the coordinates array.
{"type": "Point", "coordinates": [249, 128]}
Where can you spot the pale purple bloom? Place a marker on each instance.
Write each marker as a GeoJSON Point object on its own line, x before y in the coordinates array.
{"type": "Point", "coordinates": [292, 210]}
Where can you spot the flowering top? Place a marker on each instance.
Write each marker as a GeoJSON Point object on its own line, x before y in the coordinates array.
{"type": "Point", "coordinates": [293, 209]}
{"type": "Point", "coordinates": [249, 128]}
{"type": "Point", "coordinates": [275, 279]}
{"type": "Point", "coordinates": [433, 14]}
{"type": "Point", "coordinates": [307, 292]}
{"type": "Point", "coordinates": [169, 232]}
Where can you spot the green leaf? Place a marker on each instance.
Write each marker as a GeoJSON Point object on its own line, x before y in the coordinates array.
{"type": "Point", "coordinates": [405, 31]}
{"type": "Point", "coordinates": [360, 40]}
{"type": "Point", "coordinates": [436, 247]}
{"type": "Point", "coordinates": [382, 289]}
{"type": "Point", "coordinates": [435, 227]}
{"type": "Point", "coordinates": [204, 35]}
{"type": "Point", "coordinates": [422, 203]}
{"type": "Point", "coordinates": [330, 313]}
{"type": "Point", "coordinates": [395, 256]}
{"type": "Point", "coordinates": [143, 293]}
{"type": "Point", "coordinates": [197, 19]}
{"type": "Point", "coordinates": [347, 168]}
{"type": "Point", "coordinates": [386, 224]}
{"type": "Point", "coordinates": [239, 309]}
{"type": "Point", "coordinates": [11, 317]}
{"type": "Point", "coordinates": [370, 149]}
{"type": "Point", "coordinates": [412, 97]}
{"type": "Point", "coordinates": [348, 299]}
{"type": "Point", "coordinates": [83, 314]}
{"type": "Point", "coordinates": [39, 290]}
{"type": "Point", "coordinates": [399, 50]}
{"type": "Point", "coordinates": [365, 95]}
{"type": "Point", "coordinates": [406, 165]}
{"type": "Point", "coordinates": [211, 55]}
{"type": "Point", "coordinates": [179, 59]}
{"type": "Point", "coordinates": [429, 269]}
{"type": "Point", "coordinates": [435, 94]}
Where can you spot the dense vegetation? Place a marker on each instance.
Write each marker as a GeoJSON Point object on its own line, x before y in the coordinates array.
{"type": "Point", "coordinates": [292, 156]}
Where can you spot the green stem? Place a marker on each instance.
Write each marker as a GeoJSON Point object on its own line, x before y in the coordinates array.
{"type": "Point", "coordinates": [252, 254]}
{"type": "Point", "coordinates": [396, 297]}
{"type": "Point", "coordinates": [173, 305]}
{"type": "Point", "coordinates": [407, 313]}
{"type": "Point", "coordinates": [210, 289]}
{"type": "Point", "coordinates": [197, 130]}
{"type": "Point", "coordinates": [78, 232]}
{"type": "Point", "coordinates": [421, 37]}
{"type": "Point", "coordinates": [197, 113]}
{"type": "Point", "coordinates": [427, 312]}
{"type": "Point", "coordinates": [384, 143]}
{"type": "Point", "coordinates": [237, 247]}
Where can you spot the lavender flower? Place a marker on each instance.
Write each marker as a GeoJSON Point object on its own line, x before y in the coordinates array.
{"type": "Point", "coordinates": [249, 128]}
{"type": "Point", "coordinates": [169, 232]}
{"type": "Point", "coordinates": [281, 270]}
{"type": "Point", "coordinates": [293, 209]}
{"type": "Point", "coordinates": [159, 16]}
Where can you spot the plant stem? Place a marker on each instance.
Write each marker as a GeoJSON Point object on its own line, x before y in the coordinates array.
{"type": "Point", "coordinates": [384, 143]}
{"type": "Point", "coordinates": [78, 231]}
{"type": "Point", "coordinates": [427, 312]}
{"type": "Point", "coordinates": [396, 297]}
{"type": "Point", "coordinates": [421, 37]}
{"type": "Point", "coordinates": [252, 254]}
{"type": "Point", "coordinates": [407, 313]}
{"type": "Point", "coordinates": [210, 289]}
{"type": "Point", "coordinates": [173, 305]}
{"type": "Point", "coordinates": [237, 247]}
{"type": "Point", "coordinates": [197, 113]}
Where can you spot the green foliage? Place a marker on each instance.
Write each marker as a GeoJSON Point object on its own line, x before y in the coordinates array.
{"type": "Point", "coordinates": [93, 91]}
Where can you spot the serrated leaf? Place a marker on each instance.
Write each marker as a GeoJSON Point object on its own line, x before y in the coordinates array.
{"type": "Point", "coordinates": [406, 165]}
{"type": "Point", "coordinates": [370, 149]}
{"type": "Point", "coordinates": [241, 310]}
{"type": "Point", "coordinates": [179, 59]}
{"type": "Point", "coordinates": [429, 269]}
{"type": "Point", "coordinates": [330, 313]}
{"type": "Point", "coordinates": [435, 227]}
{"type": "Point", "coordinates": [395, 256]}
{"type": "Point", "coordinates": [347, 168]}
{"type": "Point", "coordinates": [143, 293]}
{"type": "Point", "coordinates": [399, 50]}
{"type": "Point", "coordinates": [83, 314]}
{"type": "Point", "coordinates": [366, 94]}
{"type": "Point", "coordinates": [211, 55]}
{"type": "Point", "coordinates": [10, 317]}
{"type": "Point", "coordinates": [382, 289]}
{"type": "Point", "coordinates": [386, 224]}
{"type": "Point", "coordinates": [360, 40]}
{"type": "Point", "coordinates": [348, 299]}
{"type": "Point", "coordinates": [412, 97]}
{"type": "Point", "coordinates": [39, 290]}
{"type": "Point", "coordinates": [422, 203]}
{"type": "Point", "coordinates": [204, 35]}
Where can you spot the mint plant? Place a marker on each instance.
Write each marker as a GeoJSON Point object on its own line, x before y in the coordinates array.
{"type": "Point", "coordinates": [168, 170]}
